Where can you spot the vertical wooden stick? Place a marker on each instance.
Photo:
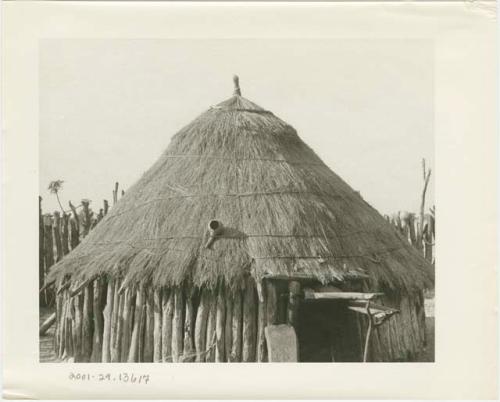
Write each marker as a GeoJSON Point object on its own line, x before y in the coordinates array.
{"type": "Point", "coordinates": [272, 303]}
{"type": "Point", "coordinates": [86, 213]}
{"type": "Point", "coordinates": [228, 331]}
{"type": "Point", "coordinates": [127, 317]}
{"type": "Point", "coordinates": [249, 322]}
{"type": "Point", "coordinates": [148, 333]}
{"type": "Point", "coordinates": [87, 323]}
{"type": "Point", "coordinates": [142, 330]}
{"type": "Point", "coordinates": [62, 327]}
{"type": "Point", "coordinates": [237, 328]}
{"type": "Point", "coordinates": [178, 324]}
{"type": "Point", "coordinates": [220, 325]}
{"type": "Point", "coordinates": [98, 322]}
{"type": "Point", "coordinates": [200, 332]}
{"type": "Point", "coordinates": [57, 235]}
{"type": "Point", "coordinates": [115, 319]}
{"type": "Point", "coordinates": [65, 233]}
{"type": "Point", "coordinates": [188, 353]}
{"type": "Point", "coordinates": [57, 339]}
{"type": "Point", "coordinates": [211, 334]}
{"type": "Point", "coordinates": [41, 257]}
{"type": "Point", "coordinates": [107, 316]}
{"type": "Point", "coordinates": [78, 304]}
{"type": "Point", "coordinates": [117, 330]}
{"type": "Point", "coordinates": [69, 350]}
{"type": "Point", "coordinates": [262, 322]}
{"type": "Point", "coordinates": [48, 251]}
{"type": "Point", "coordinates": [166, 325]}
{"type": "Point", "coordinates": [133, 355]}
{"type": "Point", "coordinates": [293, 304]}
{"type": "Point", "coordinates": [157, 326]}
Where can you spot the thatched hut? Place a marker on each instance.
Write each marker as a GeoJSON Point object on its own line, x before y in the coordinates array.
{"type": "Point", "coordinates": [238, 227]}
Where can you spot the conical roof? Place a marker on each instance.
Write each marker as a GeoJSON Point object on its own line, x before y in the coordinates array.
{"type": "Point", "coordinates": [284, 214]}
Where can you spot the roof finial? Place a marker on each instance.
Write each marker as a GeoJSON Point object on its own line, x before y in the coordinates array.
{"type": "Point", "coordinates": [237, 90]}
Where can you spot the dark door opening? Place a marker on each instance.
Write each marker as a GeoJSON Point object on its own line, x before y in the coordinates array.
{"type": "Point", "coordinates": [327, 332]}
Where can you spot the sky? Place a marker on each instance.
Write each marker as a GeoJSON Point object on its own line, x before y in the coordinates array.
{"type": "Point", "coordinates": [109, 107]}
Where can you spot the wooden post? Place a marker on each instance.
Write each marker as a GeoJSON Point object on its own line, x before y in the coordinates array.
{"type": "Point", "coordinates": [62, 327]}
{"type": "Point", "coordinates": [98, 322]}
{"type": "Point", "coordinates": [78, 306]}
{"type": "Point", "coordinates": [177, 325]}
{"type": "Point", "coordinates": [220, 325]}
{"type": "Point", "coordinates": [237, 328]}
{"type": "Point", "coordinates": [293, 304]}
{"type": "Point", "coordinates": [228, 332]}
{"type": "Point", "coordinates": [133, 355]}
{"type": "Point", "coordinates": [41, 257]}
{"type": "Point", "coordinates": [65, 233]}
{"type": "Point", "coordinates": [262, 323]}
{"type": "Point", "coordinates": [58, 323]}
{"type": "Point", "coordinates": [115, 324]}
{"type": "Point", "coordinates": [57, 235]}
{"type": "Point", "coordinates": [157, 326]}
{"type": "Point", "coordinates": [188, 354]}
{"type": "Point", "coordinates": [127, 322]}
{"type": "Point", "coordinates": [69, 347]}
{"type": "Point", "coordinates": [166, 325]}
{"type": "Point", "coordinates": [107, 316]}
{"type": "Point", "coordinates": [426, 176]}
{"type": "Point", "coordinates": [142, 330]}
{"type": "Point", "coordinates": [75, 227]}
{"type": "Point", "coordinates": [148, 334]}
{"type": "Point", "coordinates": [48, 243]}
{"type": "Point", "coordinates": [200, 332]}
{"type": "Point", "coordinates": [368, 333]}
{"type": "Point", "coordinates": [249, 322]}
{"type": "Point", "coordinates": [87, 221]}
{"type": "Point", "coordinates": [211, 334]}
{"type": "Point", "coordinates": [115, 194]}
{"type": "Point", "coordinates": [87, 323]}
{"type": "Point", "coordinates": [272, 303]}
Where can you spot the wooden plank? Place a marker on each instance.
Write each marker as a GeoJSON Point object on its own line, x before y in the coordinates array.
{"type": "Point", "coordinates": [310, 294]}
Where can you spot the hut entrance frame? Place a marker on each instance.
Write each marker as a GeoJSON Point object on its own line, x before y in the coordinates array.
{"type": "Point", "coordinates": [325, 320]}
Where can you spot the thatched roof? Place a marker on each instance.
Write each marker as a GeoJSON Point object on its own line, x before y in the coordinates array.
{"type": "Point", "coordinates": [285, 214]}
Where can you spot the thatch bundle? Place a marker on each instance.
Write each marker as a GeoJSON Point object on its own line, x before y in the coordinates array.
{"type": "Point", "coordinates": [280, 212]}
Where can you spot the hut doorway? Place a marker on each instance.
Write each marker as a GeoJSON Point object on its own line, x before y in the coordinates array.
{"type": "Point", "coordinates": [327, 332]}
{"type": "Point", "coordinates": [329, 325]}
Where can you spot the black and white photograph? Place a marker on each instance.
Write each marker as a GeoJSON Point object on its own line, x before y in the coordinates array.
{"type": "Point", "coordinates": [251, 188]}
{"type": "Point", "coordinates": [236, 201]}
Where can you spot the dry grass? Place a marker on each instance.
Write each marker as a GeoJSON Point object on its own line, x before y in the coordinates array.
{"type": "Point", "coordinates": [285, 213]}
